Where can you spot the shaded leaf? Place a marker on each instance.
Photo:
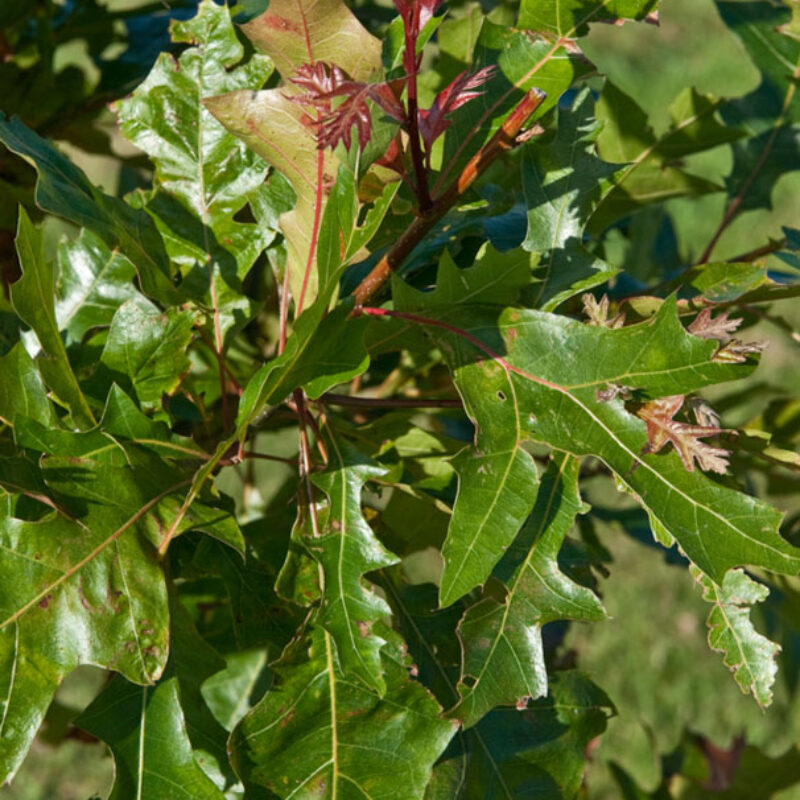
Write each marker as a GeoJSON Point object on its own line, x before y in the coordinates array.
{"type": "Point", "coordinates": [562, 181]}
{"type": "Point", "coordinates": [538, 752]}
{"type": "Point", "coordinates": [654, 170]}
{"type": "Point", "coordinates": [63, 190]}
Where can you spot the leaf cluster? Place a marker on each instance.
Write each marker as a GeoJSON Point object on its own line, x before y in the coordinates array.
{"type": "Point", "coordinates": [300, 436]}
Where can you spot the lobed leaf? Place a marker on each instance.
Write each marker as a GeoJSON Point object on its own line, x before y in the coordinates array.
{"type": "Point", "coordinates": [749, 655]}
{"type": "Point", "coordinates": [503, 655]}
{"type": "Point", "coordinates": [558, 366]}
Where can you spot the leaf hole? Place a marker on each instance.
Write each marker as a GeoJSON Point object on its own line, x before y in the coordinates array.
{"type": "Point", "coordinates": [501, 396]}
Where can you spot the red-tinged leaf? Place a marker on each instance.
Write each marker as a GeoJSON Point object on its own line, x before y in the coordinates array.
{"type": "Point", "coordinates": [323, 84]}
{"type": "Point", "coordinates": [433, 122]}
{"type": "Point", "coordinates": [685, 438]}
{"type": "Point", "coordinates": [720, 327]}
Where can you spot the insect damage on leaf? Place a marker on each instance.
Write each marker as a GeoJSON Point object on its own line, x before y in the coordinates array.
{"type": "Point", "coordinates": [685, 438]}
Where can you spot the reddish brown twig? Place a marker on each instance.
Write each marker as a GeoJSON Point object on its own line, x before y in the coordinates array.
{"type": "Point", "coordinates": [389, 402]}
{"type": "Point", "coordinates": [505, 138]}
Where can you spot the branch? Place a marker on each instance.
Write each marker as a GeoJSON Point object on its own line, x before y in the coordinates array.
{"type": "Point", "coordinates": [389, 402]}
{"type": "Point", "coordinates": [505, 139]}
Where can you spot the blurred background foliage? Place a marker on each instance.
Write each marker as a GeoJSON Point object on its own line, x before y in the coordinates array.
{"type": "Point", "coordinates": [679, 713]}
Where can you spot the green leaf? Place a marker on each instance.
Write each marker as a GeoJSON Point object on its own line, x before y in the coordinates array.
{"type": "Point", "coordinates": [497, 477]}
{"type": "Point", "coordinates": [230, 693]}
{"type": "Point", "coordinates": [321, 352]}
{"type": "Point", "coordinates": [259, 619]}
{"type": "Point", "coordinates": [749, 655]}
{"type": "Point", "coordinates": [503, 661]}
{"type": "Point", "coordinates": [22, 390]}
{"type": "Point", "coordinates": [557, 366]}
{"type": "Point", "coordinates": [535, 752]}
{"type": "Point", "coordinates": [317, 734]}
{"type": "Point", "coordinates": [523, 62]}
{"type": "Point", "coordinates": [571, 17]}
{"type": "Point", "coordinates": [148, 346]}
{"type": "Point", "coordinates": [63, 190]}
{"type": "Point", "coordinates": [93, 282]}
{"type": "Point", "coordinates": [124, 421]}
{"type": "Point", "coordinates": [346, 549]}
{"type": "Point", "coordinates": [653, 174]}
{"type": "Point", "coordinates": [562, 181]}
{"type": "Point", "coordinates": [32, 296]}
{"type": "Point", "coordinates": [201, 168]}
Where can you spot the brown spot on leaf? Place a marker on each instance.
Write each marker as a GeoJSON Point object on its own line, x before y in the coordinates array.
{"type": "Point", "coordinates": [281, 24]}
{"type": "Point", "coordinates": [45, 601]}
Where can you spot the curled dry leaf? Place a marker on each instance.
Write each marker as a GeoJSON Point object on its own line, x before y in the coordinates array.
{"type": "Point", "coordinates": [685, 438]}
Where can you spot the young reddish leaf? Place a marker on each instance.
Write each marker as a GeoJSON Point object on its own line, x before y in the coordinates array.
{"type": "Point", "coordinates": [325, 82]}
{"type": "Point", "coordinates": [433, 122]}
{"type": "Point", "coordinates": [685, 438]}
